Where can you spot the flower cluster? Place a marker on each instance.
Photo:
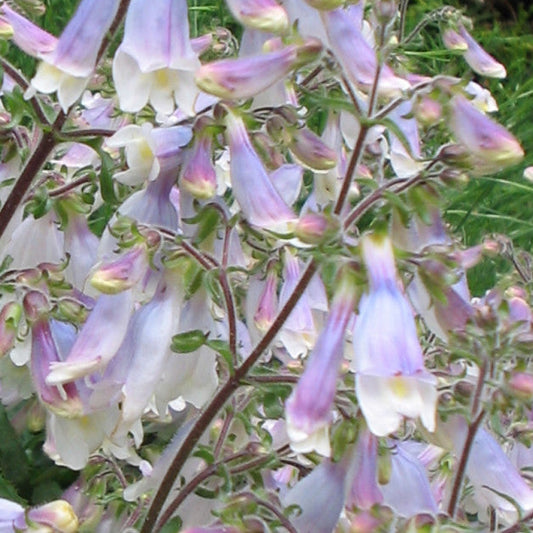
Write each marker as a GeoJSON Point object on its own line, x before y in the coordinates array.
{"type": "Point", "coordinates": [229, 300]}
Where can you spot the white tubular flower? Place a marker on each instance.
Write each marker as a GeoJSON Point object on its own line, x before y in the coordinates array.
{"type": "Point", "coordinates": [155, 62]}
{"type": "Point", "coordinates": [391, 382]}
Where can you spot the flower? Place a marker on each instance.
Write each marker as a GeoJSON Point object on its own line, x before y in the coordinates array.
{"type": "Point", "coordinates": [68, 62]}
{"type": "Point", "coordinates": [260, 202]}
{"type": "Point", "coordinates": [309, 407]}
{"type": "Point", "coordinates": [490, 146]}
{"type": "Point", "coordinates": [391, 381]}
{"type": "Point", "coordinates": [155, 62]}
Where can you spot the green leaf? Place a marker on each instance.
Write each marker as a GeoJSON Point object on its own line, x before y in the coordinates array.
{"type": "Point", "coordinates": [188, 341]}
{"type": "Point", "coordinates": [107, 186]}
{"type": "Point", "coordinates": [13, 461]}
{"type": "Point", "coordinates": [172, 526]}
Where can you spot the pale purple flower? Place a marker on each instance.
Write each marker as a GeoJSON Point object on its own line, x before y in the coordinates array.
{"type": "Point", "coordinates": [309, 407]}
{"type": "Point", "coordinates": [391, 382]}
{"type": "Point", "coordinates": [155, 62]}
{"type": "Point", "coordinates": [320, 496]}
{"type": "Point", "coordinates": [244, 77]}
{"type": "Point", "coordinates": [479, 60]}
{"type": "Point", "coordinates": [260, 202]}
{"type": "Point", "coordinates": [67, 62]}
{"type": "Point", "coordinates": [198, 175]}
{"type": "Point", "coordinates": [365, 491]}
{"type": "Point", "coordinates": [360, 68]}
{"type": "Point", "coordinates": [98, 340]}
{"type": "Point", "coordinates": [489, 145]}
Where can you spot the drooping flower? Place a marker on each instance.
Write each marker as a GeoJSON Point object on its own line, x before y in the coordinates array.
{"type": "Point", "coordinates": [478, 59]}
{"type": "Point", "coordinates": [67, 62]}
{"type": "Point", "coordinates": [244, 77]}
{"type": "Point", "coordinates": [345, 37]}
{"type": "Point", "coordinates": [489, 145]}
{"type": "Point", "coordinates": [155, 62]}
{"type": "Point", "coordinates": [391, 382]}
{"type": "Point", "coordinates": [98, 340]}
{"type": "Point", "coordinates": [260, 202]}
{"type": "Point", "coordinates": [309, 408]}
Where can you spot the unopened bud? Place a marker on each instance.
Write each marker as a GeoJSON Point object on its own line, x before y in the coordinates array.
{"type": "Point", "coordinates": [199, 176]}
{"type": "Point", "coordinates": [385, 10]}
{"type": "Point", "coordinates": [264, 15]}
{"type": "Point", "coordinates": [528, 173]}
{"type": "Point", "coordinates": [522, 384]}
{"type": "Point", "coordinates": [427, 110]}
{"type": "Point", "coordinates": [311, 151]}
{"type": "Point", "coordinates": [35, 305]}
{"type": "Point", "coordinates": [309, 51]}
{"type": "Point", "coordinates": [316, 228]}
{"type": "Point", "coordinates": [123, 273]}
{"type": "Point", "coordinates": [57, 515]}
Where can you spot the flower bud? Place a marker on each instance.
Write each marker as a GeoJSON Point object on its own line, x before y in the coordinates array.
{"type": "Point", "coordinates": [35, 305]}
{"type": "Point", "coordinates": [244, 77]}
{"type": "Point", "coordinates": [522, 384]}
{"type": "Point", "coordinates": [199, 176]}
{"type": "Point", "coordinates": [427, 110]}
{"type": "Point", "coordinates": [264, 15]}
{"type": "Point", "coordinates": [6, 30]}
{"type": "Point", "coordinates": [454, 41]}
{"type": "Point", "coordinates": [57, 515]}
{"type": "Point", "coordinates": [316, 228]}
{"type": "Point", "coordinates": [123, 273]}
{"type": "Point", "coordinates": [528, 173]}
{"type": "Point", "coordinates": [311, 151]}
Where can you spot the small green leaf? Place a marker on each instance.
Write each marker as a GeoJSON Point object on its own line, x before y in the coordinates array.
{"type": "Point", "coordinates": [188, 341]}
{"type": "Point", "coordinates": [172, 526]}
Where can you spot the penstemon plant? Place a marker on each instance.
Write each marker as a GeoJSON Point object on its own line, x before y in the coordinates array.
{"type": "Point", "coordinates": [229, 298]}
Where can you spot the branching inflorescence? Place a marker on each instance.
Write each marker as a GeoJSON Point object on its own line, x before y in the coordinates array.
{"type": "Point", "coordinates": [229, 299]}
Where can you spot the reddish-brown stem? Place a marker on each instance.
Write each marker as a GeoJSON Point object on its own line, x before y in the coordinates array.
{"type": "Point", "coordinates": [218, 401]}
{"type": "Point", "coordinates": [30, 170]}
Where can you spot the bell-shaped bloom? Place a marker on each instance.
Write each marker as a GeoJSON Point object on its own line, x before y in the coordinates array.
{"type": "Point", "coordinates": [309, 407]}
{"type": "Point", "coordinates": [264, 15]}
{"type": "Point", "coordinates": [155, 62]}
{"type": "Point", "coordinates": [244, 77]}
{"type": "Point", "coordinates": [63, 400]}
{"type": "Point", "coordinates": [391, 381]}
{"type": "Point", "coordinates": [360, 68]}
{"type": "Point", "coordinates": [67, 62]}
{"type": "Point", "coordinates": [496, 481]}
{"type": "Point", "coordinates": [320, 496]}
{"type": "Point", "coordinates": [405, 160]}
{"type": "Point", "coordinates": [478, 59]}
{"type": "Point", "coordinates": [490, 146]}
{"type": "Point", "coordinates": [365, 492]}
{"type": "Point", "coordinates": [192, 376]}
{"type": "Point", "coordinates": [298, 334]}
{"type": "Point", "coordinates": [98, 340]}
{"type": "Point", "coordinates": [408, 491]}
{"type": "Point", "coordinates": [260, 202]}
{"type": "Point", "coordinates": [152, 328]}
{"type": "Point", "coordinates": [149, 151]}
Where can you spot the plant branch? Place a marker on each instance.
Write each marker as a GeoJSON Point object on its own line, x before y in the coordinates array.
{"type": "Point", "coordinates": [218, 401]}
{"type": "Point", "coordinates": [33, 165]}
